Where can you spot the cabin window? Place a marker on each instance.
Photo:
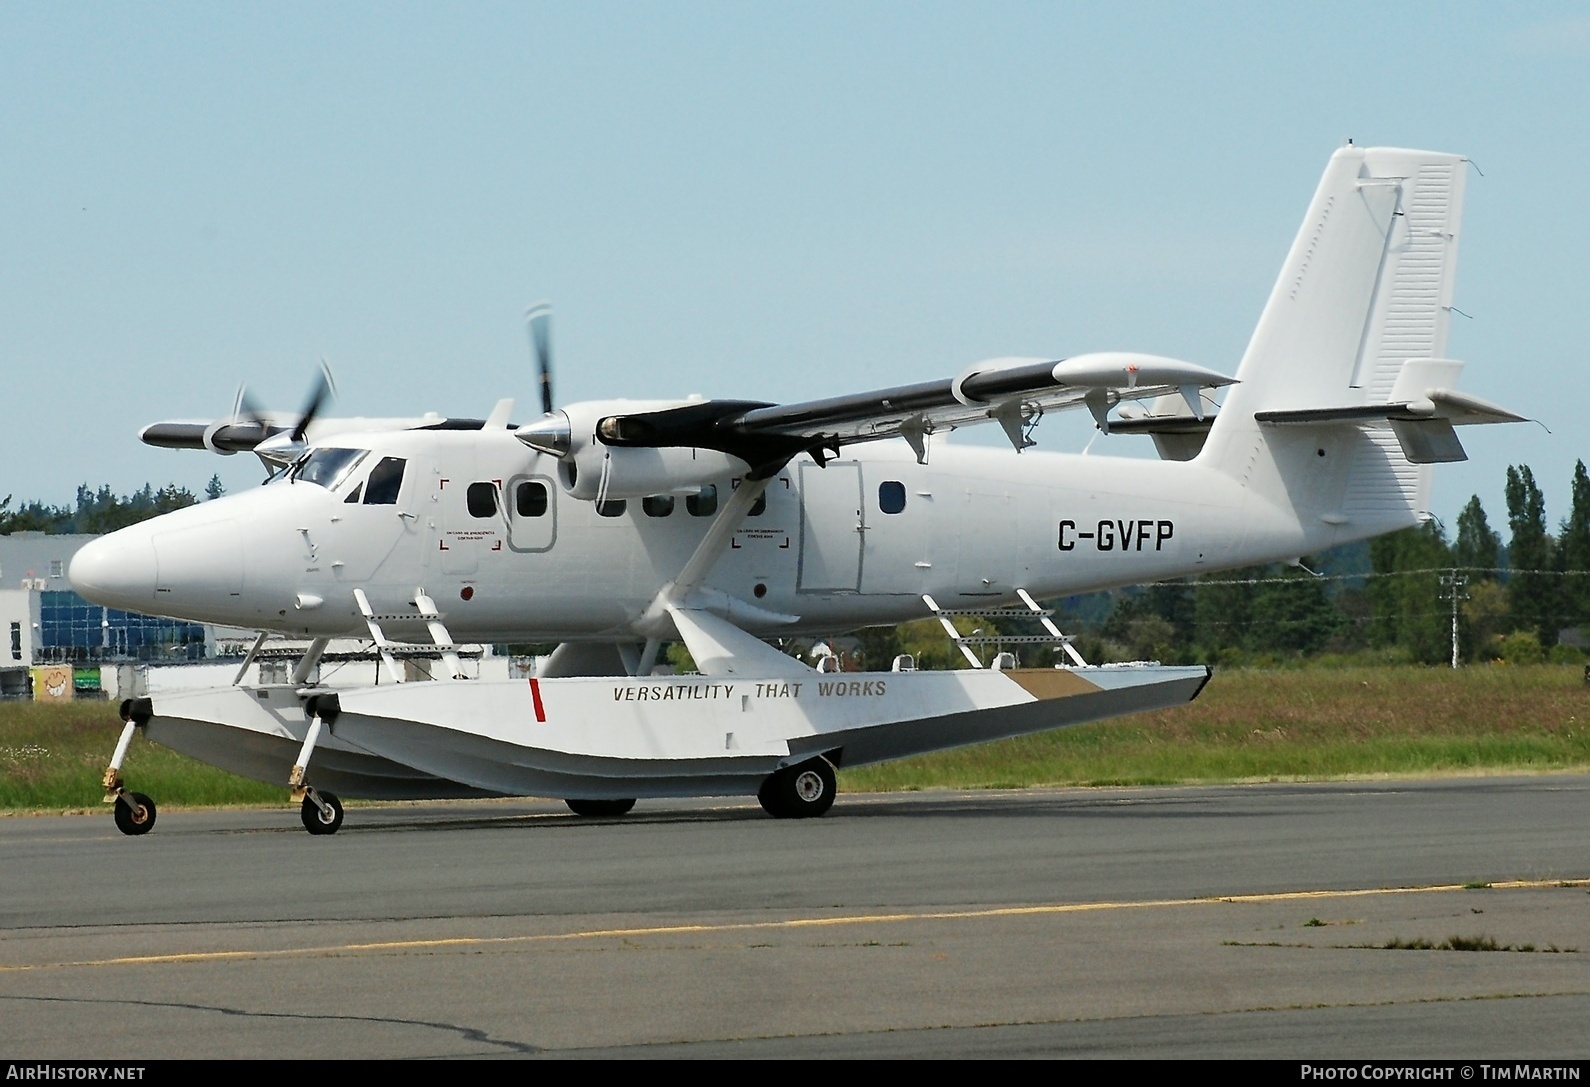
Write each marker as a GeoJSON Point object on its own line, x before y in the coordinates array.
{"type": "Point", "coordinates": [386, 479]}
{"type": "Point", "coordinates": [704, 503]}
{"type": "Point", "coordinates": [891, 496]}
{"type": "Point", "coordinates": [658, 505]}
{"type": "Point", "coordinates": [325, 467]}
{"type": "Point", "coordinates": [611, 509]}
{"type": "Point", "coordinates": [758, 507]}
{"type": "Point", "coordinates": [481, 499]}
{"type": "Point", "coordinates": [530, 499]}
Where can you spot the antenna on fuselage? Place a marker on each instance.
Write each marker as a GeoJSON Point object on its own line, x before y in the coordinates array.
{"type": "Point", "coordinates": [538, 322]}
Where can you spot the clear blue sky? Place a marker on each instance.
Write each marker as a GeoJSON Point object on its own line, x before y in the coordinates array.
{"type": "Point", "coordinates": [749, 200]}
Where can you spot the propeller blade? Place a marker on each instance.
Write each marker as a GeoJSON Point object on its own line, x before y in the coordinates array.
{"type": "Point", "coordinates": [538, 321]}
{"type": "Point", "coordinates": [248, 411]}
{"type": "Point", "coordinates": [324, 387]}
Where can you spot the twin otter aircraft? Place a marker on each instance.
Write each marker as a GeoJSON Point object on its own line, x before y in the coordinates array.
{"type": "Point", "coordinates": [613, 527]}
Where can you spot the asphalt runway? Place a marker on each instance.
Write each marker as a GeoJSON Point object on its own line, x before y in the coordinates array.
{"type": "Point", "coordinates": [1171, 922]}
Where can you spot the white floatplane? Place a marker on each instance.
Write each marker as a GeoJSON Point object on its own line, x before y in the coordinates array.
{"type": "Point", "coordinates": [615, 527]}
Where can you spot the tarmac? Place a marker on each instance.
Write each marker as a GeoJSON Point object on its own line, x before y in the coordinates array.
{"type": "Point", "coordinates": [1232, 921]}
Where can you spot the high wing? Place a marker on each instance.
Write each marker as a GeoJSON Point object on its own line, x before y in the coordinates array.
{"type": "Point", "coordinates": [1010, 391]}
{"type": "Point", "coordinates": [274, 436]}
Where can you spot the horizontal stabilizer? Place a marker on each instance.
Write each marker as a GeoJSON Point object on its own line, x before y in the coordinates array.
{"type": "Point", "coordinates": [1446, 405]}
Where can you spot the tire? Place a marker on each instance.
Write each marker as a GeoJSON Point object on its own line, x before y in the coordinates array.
{"type": "Point", "coordinates": [315, 821]}
{"type": "Point", "coordinates": [127, 822]}
{"type": "Point", "coordinates": [596, 809]}
{"type": "Point", "coordinates": [799, 792]}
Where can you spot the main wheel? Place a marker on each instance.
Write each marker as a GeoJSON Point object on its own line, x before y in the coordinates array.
{"type": "Point", "coordinates": [129, 821]}
{"type": "Point", "coordinates": [315, 820]}
{"type": "Point", "coordinates": [799, 792]}
{"type": "Point", "coordinates": [598, 808]}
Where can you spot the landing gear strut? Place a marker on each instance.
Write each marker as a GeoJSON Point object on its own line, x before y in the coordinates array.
{"type": "Point", "coordinates": [134, 812]}
{"type": "Point", "coordinates": [321, 811]}
{"type": "Point", "coordinates": [597, 808]}
{"type": "Point", "coordinates": [799, 792]}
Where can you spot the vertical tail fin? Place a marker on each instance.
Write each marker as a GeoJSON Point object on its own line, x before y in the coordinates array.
{"type": "Point", "coordinates": [1366, 286]}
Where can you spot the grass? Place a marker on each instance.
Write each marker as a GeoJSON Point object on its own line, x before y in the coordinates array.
{"type": "Point", "coordinates": [1463, 943]}
{"type": "Point", "coordinates": [53, 755]}
{"type": "Point", "coordinates": [1289, 725]}
{"type": "Point", "coordinates": [1247, 725]}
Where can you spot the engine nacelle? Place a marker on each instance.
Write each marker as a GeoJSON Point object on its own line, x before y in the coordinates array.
{"type": "Point", "coordinates": [615, 472]}
{"type": "Point", "coordinates": [589, 468]}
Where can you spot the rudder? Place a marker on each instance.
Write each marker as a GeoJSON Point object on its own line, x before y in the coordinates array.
{"type": "Point", "coordinates": [1366, 286]}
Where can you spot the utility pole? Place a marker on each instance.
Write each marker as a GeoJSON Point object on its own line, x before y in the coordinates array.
{"type": "Point", "coordinates": [1454, 583]}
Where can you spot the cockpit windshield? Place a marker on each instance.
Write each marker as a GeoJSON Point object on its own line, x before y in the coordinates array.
{"type": "Point", "coordinates": [327, 467]}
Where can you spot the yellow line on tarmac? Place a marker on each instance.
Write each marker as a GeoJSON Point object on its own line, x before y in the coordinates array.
{"type": "Point", "coordinates": [788, 924]}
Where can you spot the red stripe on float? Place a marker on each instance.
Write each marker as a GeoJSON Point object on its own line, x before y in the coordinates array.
{"type": "Point", "coordinates": [535, 695]}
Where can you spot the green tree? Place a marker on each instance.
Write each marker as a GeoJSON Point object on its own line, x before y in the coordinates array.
{"type": "Point", "coordinates": [1176, 603]}
{"type": "Point", "coordinates": [1222, 613]}
{"type": "Point", "coordinates": [214, 489]}
{"type": "Point", "coordinates": [95, 511]}
{"type": "Point", "coordinates": [103, 511]}
{"type": "Point", "coordinates": [1573, 550]}
{"type": "Point", "coordinates": [878, 648]}
{"type": "Point", "coordinates": [1477, 546]}
{"type": "Point", "coordinates": [1530, 588]}
{"type": "Point", "coordinates": [1409, 609]}
{"type": "Point", "coordinates": [33, 517]}
{"type": "Point", "coordinates": [1293, 614]}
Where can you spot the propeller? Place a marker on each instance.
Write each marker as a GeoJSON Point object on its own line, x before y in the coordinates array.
{"type": "Point", "coordinates": [538, 322]}
{"type": "Point", "coordinates": [283, 445]}
{"type": "Point", "coordinates": [324, 387]}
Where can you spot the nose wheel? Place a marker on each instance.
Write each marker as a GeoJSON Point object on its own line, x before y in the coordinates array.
{"type": "Point", "coordinates": [321, 812]}
{"type": "Point", "coordinates": [799, 792]}
{"type": "Point", "coordinates": [135, 813]}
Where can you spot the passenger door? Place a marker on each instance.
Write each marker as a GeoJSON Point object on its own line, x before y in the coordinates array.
{"type": "Point", "coordinates": [832, 525]}
{"type": "Point", "coordinates": [530, 509]}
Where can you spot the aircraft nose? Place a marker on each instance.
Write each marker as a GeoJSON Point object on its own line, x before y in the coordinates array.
{"type": "Point", "coordinates": [117, 570]}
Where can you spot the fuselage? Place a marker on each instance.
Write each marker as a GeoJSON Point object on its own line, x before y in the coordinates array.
{"type": "Point", "coordinates": [486, 528]}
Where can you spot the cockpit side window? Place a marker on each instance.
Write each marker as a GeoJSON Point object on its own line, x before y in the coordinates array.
{"type": "Point", "coordinates": [386, 479]}
{"type": "Point", "coordinates": [327, 467]}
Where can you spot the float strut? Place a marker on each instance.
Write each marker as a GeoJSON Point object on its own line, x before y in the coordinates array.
{"type": "Point", "coordinates": [322, 711]}
{"type": "Point", "coordinates": [113, 781]}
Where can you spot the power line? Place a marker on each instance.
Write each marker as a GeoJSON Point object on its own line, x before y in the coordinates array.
{"type": "Point", "coordinates": [1370, 575]}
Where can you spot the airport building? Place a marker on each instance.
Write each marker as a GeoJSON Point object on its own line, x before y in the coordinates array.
{"type": "Point", "coordinates": [58, 646]}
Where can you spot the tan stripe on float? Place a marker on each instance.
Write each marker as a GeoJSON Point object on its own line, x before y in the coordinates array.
{"type": "Point", "coordinates": [1047, 683]}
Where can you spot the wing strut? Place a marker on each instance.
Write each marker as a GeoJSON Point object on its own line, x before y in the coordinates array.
{"type": "Point", "coordinates": [706, 619]}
